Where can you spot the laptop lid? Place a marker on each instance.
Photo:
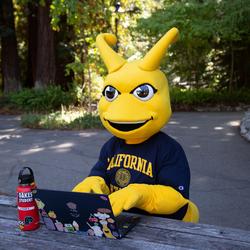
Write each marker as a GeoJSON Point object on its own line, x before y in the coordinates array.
{"type": "Point", "coordinates": [82, 213]}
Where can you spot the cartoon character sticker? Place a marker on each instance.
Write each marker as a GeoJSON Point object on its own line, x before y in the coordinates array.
{"type": "Point", "coordinates": [106, 230]}
{"type": "Point", "coordinates": [59, 226]}
{"type": "Point", "coordinates": [49, 223]}
{"type": "Point", "coordinates": [21, 224]}
{"type": "Point", "coordinates": [110, 220]}
{"type": "Point", "coordinates": [96, 229]}
{"type": "Point", "coordinates": [75, 225]}
{"type": "Point", "coordinates": [68, 228]}
{"type": "Point", "coordinates": [90, 232]}
{"type": "Point", "coordinates": [103, 224]}
{"type": "Point", "coordinates": [103, 197]}
{"type": "Point", "coordinates": [71, 205]}
{"type": "Point", "coordinates": [102, 216]}
{"type": "Point", "coordinates": [39, 203]}
{"type": "Point", "coordinates": [52, 214]}
{"type": "Point", "coordinates": [92, 218]}
{"type": "Point", "coordinates": [104, 210]}
{"type": "Point", "coordinates": [28, 220]}
{"type": "Point", "coordinates": [44, 213]}
{"type": "Point", "coordinates": [73, 209]}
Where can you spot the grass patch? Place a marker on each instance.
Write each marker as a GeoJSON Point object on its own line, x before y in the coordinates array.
{"type": "Point", "coordinates": [72, 120]}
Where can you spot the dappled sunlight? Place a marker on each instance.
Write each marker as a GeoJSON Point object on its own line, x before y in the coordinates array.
{"type": "Point", "coordinates": [10, 136]}
{"type": "Point", "coordinates": [173, 122]}
{"type": "Point", "coordinates": [63, 145]}
{"type": "Point", "coordinates": [218, 128]}
{"type": "Point", "coordinates": [230, 134]}
{"type": "Point", "coordinates": [31, 151]}
{"type": "Point", "coordinates": [7, 130]}
{"type": "Point", "coordinates": [87, 134]}
{"type": "Point", "coordinates": [62, 150]}
{"type": "Point", "coordinates": [234, 123]}
{"type": "Point", "coordinates": [194, 127]}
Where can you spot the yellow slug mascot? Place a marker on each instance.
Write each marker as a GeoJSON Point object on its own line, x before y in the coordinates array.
{"type": "Point", "coordinates": [141, 168]}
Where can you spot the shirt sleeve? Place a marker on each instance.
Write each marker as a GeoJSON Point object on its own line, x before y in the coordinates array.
{"type": "Point", "coordinates": [174, 170]}
{"type": "Point", "coordinates": [99, 169]}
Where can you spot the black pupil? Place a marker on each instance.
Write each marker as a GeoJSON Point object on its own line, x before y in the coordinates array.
{"type": "Point", "coordinates": [142, 91]}
{"type": "Point", "coordinates": [110, 92]}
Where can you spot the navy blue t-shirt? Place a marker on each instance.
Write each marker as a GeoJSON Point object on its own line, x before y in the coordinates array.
{"type": "Point", "coordinates": [158, 160]}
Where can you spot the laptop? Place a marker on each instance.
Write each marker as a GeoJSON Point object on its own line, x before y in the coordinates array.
{"type": "Point", "coordinates": [82, 213]}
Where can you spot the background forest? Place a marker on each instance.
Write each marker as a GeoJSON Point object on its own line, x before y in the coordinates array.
{"type": "Point", "coordinates": [49, 58]}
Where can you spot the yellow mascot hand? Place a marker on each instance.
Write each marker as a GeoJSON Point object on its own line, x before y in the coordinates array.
{"type": "Point", "coordinates": [155, 199]}
{"type": "Point", "coordinates": [124, 199]}
{"type": "Point", "coordinates": [92, 184]}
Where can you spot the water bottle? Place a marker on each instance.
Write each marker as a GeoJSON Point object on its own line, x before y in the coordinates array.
{"type": "Point", "coordinates": [28, 214]}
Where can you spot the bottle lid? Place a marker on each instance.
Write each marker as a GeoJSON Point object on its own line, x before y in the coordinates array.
{"type": "Point", "coordinates": [25, 178]}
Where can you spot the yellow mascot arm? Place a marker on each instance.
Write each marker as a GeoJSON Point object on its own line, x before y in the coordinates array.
{"type": "Point", "coordinates": [92, 184]}
{"type": "Point", "coordinates": [155, 199]}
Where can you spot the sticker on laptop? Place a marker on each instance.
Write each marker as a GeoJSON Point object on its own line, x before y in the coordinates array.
{"type": "Point", "coordinates": [73, 209]}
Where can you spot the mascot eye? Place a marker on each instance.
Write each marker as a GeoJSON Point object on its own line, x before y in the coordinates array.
{"type": "Point", "coordinates": [110, 93]}
{"type": "Point", "coordinates": [144, 92]}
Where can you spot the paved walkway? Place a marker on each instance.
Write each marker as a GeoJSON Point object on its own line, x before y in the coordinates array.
{"type": "Point", "coordinates": [219, 159]}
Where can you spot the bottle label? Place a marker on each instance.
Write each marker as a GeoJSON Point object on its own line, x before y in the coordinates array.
{"type": "Point", "coordinates": [25, 197]}
{"type": "Point", "coordinates": [26, 208]}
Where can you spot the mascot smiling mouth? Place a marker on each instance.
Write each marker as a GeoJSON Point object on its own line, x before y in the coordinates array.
{"type": "Point", "coordinates": [128, 126]}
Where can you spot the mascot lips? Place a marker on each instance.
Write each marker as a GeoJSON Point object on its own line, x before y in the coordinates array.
{"type": "Point", "coordinates": [128, 126]}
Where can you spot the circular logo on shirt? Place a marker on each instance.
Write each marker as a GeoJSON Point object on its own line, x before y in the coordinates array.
{"type": "Point", "coordinates": [122, 177]}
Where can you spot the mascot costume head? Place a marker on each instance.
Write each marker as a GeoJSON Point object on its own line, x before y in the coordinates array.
{"type": "Point", "coordinates": [140, 167]}
{"type": "Point", "coordinates": [135, 103]}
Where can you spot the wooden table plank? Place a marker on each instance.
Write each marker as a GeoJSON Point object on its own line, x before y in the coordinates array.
{"type": "Point", "coordinates": [198, 229]}
{"type": "Point", "coordinates": [138, 237]}
{"type": "Point", "coordinates": [8, 200]}
{"type": "Point", "coordinates": [151, 232]}
{"type": "Point", "coordinates": [9, 229]}
{"type": "Point", "coordinates": [161, 223]}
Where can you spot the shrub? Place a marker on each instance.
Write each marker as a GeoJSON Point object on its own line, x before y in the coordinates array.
{"type": "Point", "coordinates": [201, 97]}
{"type": "Point", "coordinates": [41, 100]}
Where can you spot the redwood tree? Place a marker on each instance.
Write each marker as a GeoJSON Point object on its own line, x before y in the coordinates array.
{"type": "Point", "coordinates": [32, 8]}
{"type": "Point", "coordinates": [9, 55]}
{"type": "Point", "coordinates": [45, 56]}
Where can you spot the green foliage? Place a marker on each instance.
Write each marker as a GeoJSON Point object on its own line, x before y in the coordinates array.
{"type": "Point", "coordinates": [86, 19]}
{"type": "Point", "coordinates": [42, 100]}
{"type": "Point", "coordinates": [208, 97]}
{"type": "Point", "coordinates": [209, 32]}
{"type": "Point", "coordinates": [62, 120]}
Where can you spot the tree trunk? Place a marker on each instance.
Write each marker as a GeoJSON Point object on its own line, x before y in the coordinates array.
{"type": "Point", "coordinates": [242, 66]}
{"type": "Point", "coordinates": [231, 70]}
{"type": "Point", "coordinates": [9, 55]}
{"type": "Point", "coordinates": [45, 60]}
{"type": "Point", "coordinates": [32, 43]}
{"type": "Point", "coordinates": [64, 53]}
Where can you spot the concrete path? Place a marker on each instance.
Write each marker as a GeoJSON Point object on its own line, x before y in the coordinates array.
{"type": "Point", "coordinates": [219, 159]}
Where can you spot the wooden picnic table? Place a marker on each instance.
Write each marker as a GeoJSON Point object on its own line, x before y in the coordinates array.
{"type": "Point", "coordinates": [150, 233]}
